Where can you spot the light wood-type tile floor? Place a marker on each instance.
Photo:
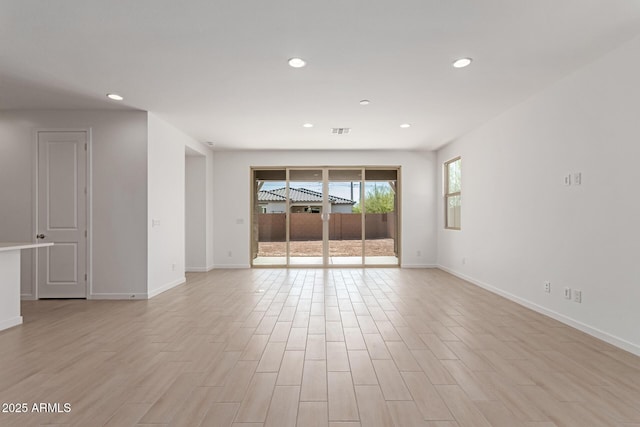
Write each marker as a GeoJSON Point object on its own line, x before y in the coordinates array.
{"type": "Point", "coordinates": [312, 347]}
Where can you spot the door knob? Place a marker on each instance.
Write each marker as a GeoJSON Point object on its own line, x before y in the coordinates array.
{"type": "Point", "coordinates": [40, 236]}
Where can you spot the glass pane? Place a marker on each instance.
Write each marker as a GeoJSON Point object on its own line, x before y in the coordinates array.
{"type": "Point", "coordinates": [381, 243]}
{"type": "Point", "coordinates": [454, 176]}
{"type": "Point", "coordinates": [269, 219]}
{"type": "Point", "coordinates": [453, 211]}
{"type": "Point", "coordinates": [305, 219]}
{"type": "Point", "coordinates": [345, 220]}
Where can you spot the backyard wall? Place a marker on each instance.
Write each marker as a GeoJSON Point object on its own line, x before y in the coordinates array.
{"type": "Point", "coordinates": [308, 226]}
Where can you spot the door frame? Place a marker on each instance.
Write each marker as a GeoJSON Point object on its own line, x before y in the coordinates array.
{"type": "Point", "coordinates": [325, 187]}
{"type": "Point", "coordinates": [88, 207]}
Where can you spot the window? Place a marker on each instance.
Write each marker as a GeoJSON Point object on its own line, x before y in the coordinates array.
{"type": "Point", "coordinates": [452, 190]}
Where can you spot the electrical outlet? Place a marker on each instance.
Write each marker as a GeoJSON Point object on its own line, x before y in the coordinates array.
{"type": "Point", "coordinates": [567, 179]}
{"type": "Point", "coordinates": [418, 253]}
{"type": "Point", "coordinates": [577, 296]}
{"type": "Point", "coordinates": [577, 178]}
{"type": "Point", "coordinates": [229, 254]}
{"type": "Point", "coordinates": [547, 287]}
{"type": "Point", "coordinates": [567, 293]}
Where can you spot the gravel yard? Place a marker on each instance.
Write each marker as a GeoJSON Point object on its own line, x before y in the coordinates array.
{"type": "Point", "coordinates": [374, 247]}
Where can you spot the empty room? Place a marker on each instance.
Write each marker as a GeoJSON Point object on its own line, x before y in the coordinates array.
{"type": "Point", "coordinates": [334, 214]}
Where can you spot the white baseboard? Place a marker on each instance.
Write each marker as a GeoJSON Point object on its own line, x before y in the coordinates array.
{"type": "Point", "coordinates": [27, 297]}
{"type": "Point", "coordinates": [198, 269]}
{"type": "Point", "coordinates": [418, 265]}
{"type": "Point", "coordinates": [118, 296]}
{"type": "Point", "coordinates": [223, 266]}
{"type": "Point", "coordinates": [10, 323]}
{"type": "Point", "coordinates": [166, 287]}
{"type": "Point", "coordinates": [595, 332]}
{"type": "Point", "coordinates": [195, 269]}
{"type": "Point", "coordinates": [231, 266]}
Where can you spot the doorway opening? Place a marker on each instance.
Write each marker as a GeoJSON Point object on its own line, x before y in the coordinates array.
{"type": "Point", "coordinates": [195, 211]}
{"type": "Point", "coordinates": [325, 216]}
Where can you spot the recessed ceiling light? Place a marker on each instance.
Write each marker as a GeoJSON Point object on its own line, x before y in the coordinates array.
{"type": "Point", "coordinates": [114, 96]}
{"type": "Point", "coordinates": [461, 63]}
{"type": "Point", "coordinates": [297, 62]}
{"type": "Point", "coordinates": [405, 125]}
{"type": "Point", "coordinates": [365, 102]}
{"type": "Point", "coordinates": [308, 125]}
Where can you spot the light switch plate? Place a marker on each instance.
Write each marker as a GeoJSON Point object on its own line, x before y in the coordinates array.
{"type": "Point", "coordinates": [577, 178]}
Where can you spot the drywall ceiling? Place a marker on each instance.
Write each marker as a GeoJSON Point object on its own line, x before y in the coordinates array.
{"type": "Point", "coordinates": [218, 69]}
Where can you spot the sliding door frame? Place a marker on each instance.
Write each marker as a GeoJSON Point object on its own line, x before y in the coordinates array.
{"type": "Point", "coordinates": [325, 223]}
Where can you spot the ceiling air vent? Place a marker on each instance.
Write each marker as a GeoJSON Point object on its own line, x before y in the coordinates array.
{"type": "Point", "coordinates": [340, 131]}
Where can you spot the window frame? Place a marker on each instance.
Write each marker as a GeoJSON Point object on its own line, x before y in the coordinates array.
{"type": "Point", "coordinates": [448, 194]}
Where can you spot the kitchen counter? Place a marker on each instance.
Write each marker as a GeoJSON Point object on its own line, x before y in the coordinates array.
{"type": "Point", "coordinates": [10, 281]}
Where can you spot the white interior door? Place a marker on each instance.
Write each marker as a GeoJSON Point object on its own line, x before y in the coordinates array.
{"type": "Point", "coordinates": [62, 214]}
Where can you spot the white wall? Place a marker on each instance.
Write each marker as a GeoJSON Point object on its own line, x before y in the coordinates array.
{"type": "Point", "coordinates": [119, 187]}
{"type": "Point", "coordinates": [166, 208]}
{"type": "Point", "coordinates": [195, 213]}
{"type": "Point", "coordinates": [203, 150]}
{"type": "Point", "coordinates": [210, 208]}
{"type": "Point", "coordinates": [232, 190]}
{"type": "Point", "coordinates": [521, 225]}
{"type": "Point", "coordinates": [138, 172]}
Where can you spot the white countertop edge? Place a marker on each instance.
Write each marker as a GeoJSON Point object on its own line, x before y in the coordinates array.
{"type": "Point", "coordinates": [12, 246]}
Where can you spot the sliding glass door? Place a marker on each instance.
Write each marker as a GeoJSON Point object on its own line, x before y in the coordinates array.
{"type": "Point", "coordinates": [345, 221]}
{"type": "Point", "coordinates": [329, 216]}
{"type": "Point", "coordinates": [381, 225]}
{"type": "Point", "coordinates": [269, 219]}
{"type": "Point", "coordinates": [306, 216]}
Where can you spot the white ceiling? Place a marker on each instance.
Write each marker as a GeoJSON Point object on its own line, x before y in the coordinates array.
{"type": "Point", "coordinates": [218, 69]}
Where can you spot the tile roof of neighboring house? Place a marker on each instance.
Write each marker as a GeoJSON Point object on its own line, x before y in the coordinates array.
{"type": "Point", "coordinates": [299, 195]}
